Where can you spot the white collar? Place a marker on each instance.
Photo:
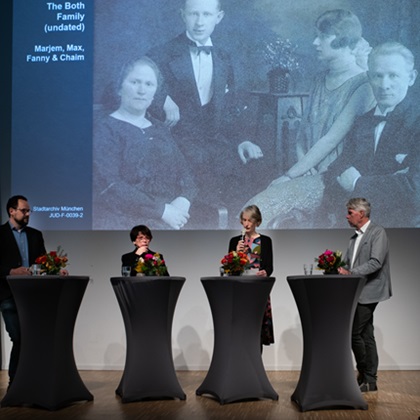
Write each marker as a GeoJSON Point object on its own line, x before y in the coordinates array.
{"type": "Point", "coordinates": [362, 230]}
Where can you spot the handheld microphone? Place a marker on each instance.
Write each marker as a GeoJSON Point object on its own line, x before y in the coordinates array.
{"type": "Point", "coordinates": [243, 234]}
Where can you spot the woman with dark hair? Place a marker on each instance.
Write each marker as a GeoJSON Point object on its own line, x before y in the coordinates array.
{"type": "Point", "coordinates": [338, 95]}
{"type": "Point", "coordinates": [138, 170]}
{"type": "Point", "coordinates": [259, 249]}
{"type": "Point", "coordinates": [141, 236]}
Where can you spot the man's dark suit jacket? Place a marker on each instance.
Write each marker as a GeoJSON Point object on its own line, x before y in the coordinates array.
{"type": "Point", "coordinates": [390, 177]}
{"type": "Point", "coordinates": [174, 61]}
{"type": "Point", "coordinates": [10, 255]}
{"type": "Point", "coordinates": [209, 136]}
{"type": "Point", "coordinates": [196, 122]}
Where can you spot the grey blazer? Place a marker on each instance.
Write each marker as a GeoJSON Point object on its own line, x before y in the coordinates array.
{"type": "Point", "coordinates": [372, 261]}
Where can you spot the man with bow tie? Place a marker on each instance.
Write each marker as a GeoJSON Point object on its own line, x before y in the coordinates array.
{"type": "Point", "coordinates": [381, 155]}
{"type": "Point", "coordinates": [367, 255]}
{"type": "Point", "coordinates": [200, 106]}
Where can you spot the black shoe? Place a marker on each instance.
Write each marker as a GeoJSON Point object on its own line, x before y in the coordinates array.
{"type": "Point", "coordinates": [368, 387]}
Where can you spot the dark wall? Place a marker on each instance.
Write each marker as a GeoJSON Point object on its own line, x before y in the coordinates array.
{"type": "Point", "coordinates": [5, 98]}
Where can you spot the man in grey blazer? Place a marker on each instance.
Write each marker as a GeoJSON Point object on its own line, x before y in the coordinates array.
{"type": "Point", "coordinates": [367, 255]}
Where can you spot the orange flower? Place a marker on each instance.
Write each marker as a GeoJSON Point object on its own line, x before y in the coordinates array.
{"type": "Point", "coordinates": [52, 262]}
{"type": "Point", "coordinates": [234, 262]}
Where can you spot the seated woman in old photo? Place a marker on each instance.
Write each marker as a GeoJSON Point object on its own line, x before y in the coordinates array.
{"type": "Point", "coordinates": [138, 171]}
{"type": "Point", "coordinates": [338, 95]}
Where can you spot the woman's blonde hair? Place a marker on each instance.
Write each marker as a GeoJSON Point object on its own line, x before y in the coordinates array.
{"type": "Point", "coordinates": [255, 213]}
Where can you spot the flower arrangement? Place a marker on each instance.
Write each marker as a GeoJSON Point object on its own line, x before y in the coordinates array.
{"type": "Point", "coordinates": [151, 265]}
{"type": "Point", "coordinates": [281, 54]}
{"type": "Point", "coordinates": [330, 261]}
{"type": "Point", "coordinates": [52, 262]}
{"type": "Point", "coordinates": [234, 263]}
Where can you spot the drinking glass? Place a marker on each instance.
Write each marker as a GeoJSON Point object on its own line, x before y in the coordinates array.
{"type": "Point", "coordinates": [36, 269]}
{"type": "Point", "coordinates": [307, 269]}
{"type": "Point", "coordinates": [126, 271]}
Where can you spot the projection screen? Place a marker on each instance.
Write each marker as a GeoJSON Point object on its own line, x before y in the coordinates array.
{"type": "Point", "coordinates": [86, 163]}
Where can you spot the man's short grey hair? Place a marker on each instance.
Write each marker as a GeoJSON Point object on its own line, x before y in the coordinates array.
{"type": "Point", "coordinates": [359, 204]}
{"type": "Point", "coordinates": [391, 48]}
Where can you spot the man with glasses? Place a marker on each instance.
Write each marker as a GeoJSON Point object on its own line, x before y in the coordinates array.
{"type": "Point", "coordinates": [20, 245]}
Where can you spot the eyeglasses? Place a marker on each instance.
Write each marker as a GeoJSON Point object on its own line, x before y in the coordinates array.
{"type": "Point", "coordinates": [25, 211]}
{"type": "Point", "coordinates": [142, 237]}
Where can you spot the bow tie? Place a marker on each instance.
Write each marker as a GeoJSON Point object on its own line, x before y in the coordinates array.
{"type": "Point", "coordinates": [202, 48]}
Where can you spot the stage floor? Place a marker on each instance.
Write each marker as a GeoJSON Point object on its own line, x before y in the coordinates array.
{"type": "Point", "coordinates": [398, 397]}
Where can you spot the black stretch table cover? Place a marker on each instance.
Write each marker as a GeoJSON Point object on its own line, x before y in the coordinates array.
{"type": "Point", "coordinates": [236, 371]}
{"type": "Point", "coordinates": [47, 375]}
{"type": "Point", "coordinates": [147, 306]}
{"type": "Point", "coordinates": [326, 305]}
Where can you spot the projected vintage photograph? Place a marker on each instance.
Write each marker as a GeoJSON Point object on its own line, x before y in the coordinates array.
{"type": "Point", "coordinates": [202, 107]}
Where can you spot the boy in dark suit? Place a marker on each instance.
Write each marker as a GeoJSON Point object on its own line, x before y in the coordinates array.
{"type": "Point", "coordinates": [199, 104]}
